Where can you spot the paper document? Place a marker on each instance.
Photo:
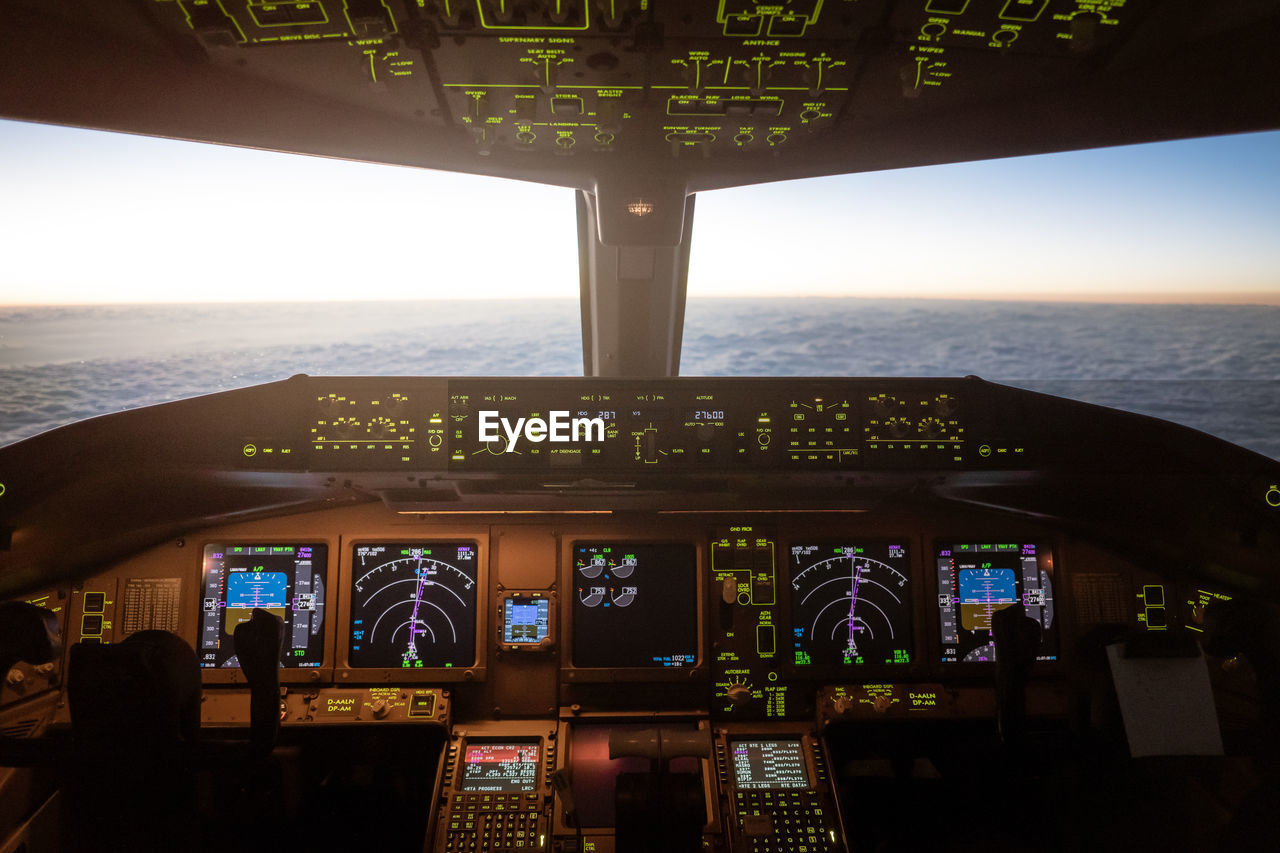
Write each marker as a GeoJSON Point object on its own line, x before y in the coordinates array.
{"type": "Point", "coordinates": [1167, 704]}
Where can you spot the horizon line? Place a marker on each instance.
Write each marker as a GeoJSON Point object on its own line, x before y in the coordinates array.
{"type": "Point", "coordinates": [1261, 298]}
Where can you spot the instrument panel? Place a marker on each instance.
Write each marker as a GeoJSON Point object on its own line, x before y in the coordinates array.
{"type": "Point", "coordinates": [285, 580]}
{"type": "Point", "coordinates": [413, 605]}
{"type": "Point", "coordinates": [515, 425]}
{"type": "Point", "coordinates": [526, 643]}
{"type": "Point", "coordinates": [744, 621]}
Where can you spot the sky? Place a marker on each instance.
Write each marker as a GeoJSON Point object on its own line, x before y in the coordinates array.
{"type": "Point", "coordinates": [88, 217]}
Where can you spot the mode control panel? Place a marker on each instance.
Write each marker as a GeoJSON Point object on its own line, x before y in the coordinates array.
{"type": "Point", "coordinates": [521, 424]}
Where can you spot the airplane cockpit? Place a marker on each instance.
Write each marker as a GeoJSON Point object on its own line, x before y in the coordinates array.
{"type": "Point", "coordinates": [635, 611]}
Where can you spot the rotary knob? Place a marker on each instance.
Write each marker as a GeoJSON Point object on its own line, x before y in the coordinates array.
{"type": "Point", "coordinates": [739, 695]}
{"type": "Point", "coordinates": [931, 428]}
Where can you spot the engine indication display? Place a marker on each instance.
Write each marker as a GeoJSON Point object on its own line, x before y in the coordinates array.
{"type": "Point", "coordinates": [851, 604]}
{"type": "Point", "coordinates": [635, 605]}
{"type": "Point", "coordinates": [413, 605]}
{"type": "Point", "coordinates": [977, 580]}
{"type": "Point", "coordinates": [287, 580]}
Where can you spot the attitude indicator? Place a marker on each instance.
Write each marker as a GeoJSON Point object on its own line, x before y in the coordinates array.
{"type": "Point", "coordinates": [977, 581]}
{"type": "Point", "coordinates": [413, 605]}
{"type": "Point", "coordinates": [287, 580]}
{"type": "Point", "coordinates": [850, 604]}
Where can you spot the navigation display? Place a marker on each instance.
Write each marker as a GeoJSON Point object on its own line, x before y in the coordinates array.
{"type": "Point", "coordinates": [635, 605]}
{"type": "Point", "coordinates": [525, 620]}
{"type": "Point", "coordinates": [287, 580]}
{"type": "Point", "coordinates": [977, 580]}
{"type": "Point", "coordinates": [413, 605]}
{"type": "Point", "coordinates": [500, 766]}
{"type": "Point", "coordinates": [850, 604]}
{"type": "Point", "coordinates": [768, 764]}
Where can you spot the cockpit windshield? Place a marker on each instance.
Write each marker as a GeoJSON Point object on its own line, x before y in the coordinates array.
{"type": "Point", "coordinates": [145, 270]}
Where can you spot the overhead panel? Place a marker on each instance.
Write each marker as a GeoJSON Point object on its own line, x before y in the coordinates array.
{"type": "Point", "coordinates": [592, 87]}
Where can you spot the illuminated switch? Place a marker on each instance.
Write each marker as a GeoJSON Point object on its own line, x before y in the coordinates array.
{"type": "Point", "coordinates": [369, 18]}
{"type": "Point", "coordinates": [272, 16]}
{"type": "Point", "coordinates": [91, 625]}
{"type": "Point", "coordinates": [566, 106]}
{"type": "Point", "coordinates": [422, 706]}
{"type": "Point", "coordinates": [1023, 10]}
{"type": "Point", "coordinates": [215, 27]}
{"type": "Point", "coordinates": [765, 643]}
{"type": "Point", "coordinates": [609, 116]}
{"type": "Point", "coordinates": [946, 7]}
{"type": "Point", "coordinates": [95, 602]}
{"type": "Point", "coordinates": [743, 25]}
{"type": "Point", "coordinates": [1084, 31]}
{"type": "Point", "coordinates": [785, 26]}
{"type": "Point", "coordinates": [762, 592]}
{"type": "Point", "coordinates": [526, 107]}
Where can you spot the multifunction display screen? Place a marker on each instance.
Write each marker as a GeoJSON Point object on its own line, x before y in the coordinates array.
{"type": "Point", "coordinates": [768, 764]}
{"type": "Point", "coordinates": [635, 605]}
{"type": "Point", "coordinates": [975, 581]}
{"type": "Point", "coordinates": [287, 580]}
{"type": "Point", "coordinates": [525, 620]}
{"type": "Point", "coordinates": [850, 604]}
{"type": "Point", "coordinates": [413, 605]}
{"type": "Point", "coordinates": [500, 766]}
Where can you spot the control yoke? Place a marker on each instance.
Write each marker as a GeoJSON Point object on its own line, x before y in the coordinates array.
{"type": "Point", "coordinates": [258, 643]}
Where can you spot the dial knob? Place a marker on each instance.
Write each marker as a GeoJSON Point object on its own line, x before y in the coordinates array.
{"type": "Point", "coordinates": [382, 427]}
{"type": "Point", "coordinates": [739, 695]}
{"type": "Point", "coordinates": [885, 404]}
{"type": "Point", "coordinates": [345, 427]}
